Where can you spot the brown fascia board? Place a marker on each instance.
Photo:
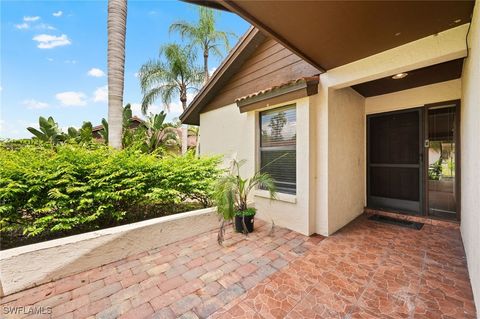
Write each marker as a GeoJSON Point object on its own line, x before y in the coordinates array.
{"type": "Point", "coordinates": [232, 63]}
{"type": "Point", "coordinates": [208, 3]}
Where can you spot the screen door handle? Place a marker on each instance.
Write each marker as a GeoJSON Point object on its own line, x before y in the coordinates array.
{"type": "Point", "coordinates": [427, 143]}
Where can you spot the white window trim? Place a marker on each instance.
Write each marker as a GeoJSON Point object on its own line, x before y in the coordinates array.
{"type": "Point", "coordinates": [283, 197]}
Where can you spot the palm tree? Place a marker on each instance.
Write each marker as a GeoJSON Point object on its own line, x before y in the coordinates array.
{"type": "Point", "coordinates": [204, 36]}
{"type": "Point", "coordinates": [169, 79]}
{"type": "Point", "coordinates": [116, 27]}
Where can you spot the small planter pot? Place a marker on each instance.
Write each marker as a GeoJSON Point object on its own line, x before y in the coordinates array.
{"type": "Point", "coordinates": [248, 223]}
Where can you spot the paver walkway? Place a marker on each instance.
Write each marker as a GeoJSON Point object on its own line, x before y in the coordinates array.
{"type": "Point", "coordinates": [191, 278]}
{"type": "Point", "coordinates": [367, 270]}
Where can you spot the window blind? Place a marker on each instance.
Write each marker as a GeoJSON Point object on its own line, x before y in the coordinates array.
{"type": "Point", "coordinates": [278, 147]}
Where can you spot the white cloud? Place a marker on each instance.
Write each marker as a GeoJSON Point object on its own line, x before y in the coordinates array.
{"type": "Point", "coordinates": [101, 94]}
{"type": "Point", "coordinates": [50, 59]}
{"type": "Point", "coordinates": [70, 61]}
{"type": "Point", "coordinates": [34, 104]}
{"type": "Point", "coordinates": [71, 98]}
{"type": "Point", "coordinates": [57, 14]}
{"type": "Point", "coordinates": [47, 41]}
{"type": "Point", "coordinates": [31, 18]}
{"type": "Point", "coordinates": [95, 72]}
{"type": "Point", "coordinates": [22, 26]}
{"type": "Point", "coordinates": [44, 26]}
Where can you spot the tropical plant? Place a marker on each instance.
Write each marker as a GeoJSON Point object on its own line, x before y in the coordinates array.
{"type": "Point", "coordinates": [129, 136]}
{"type": "Point", "coordinates": [232, 192]}
{"type": "Point", "coordinates": [435, 170]}
{"type": "Point", "coordinates": [204, 36]}
{"type": "Point", "coordinates": [104, 131]}
{"type": "Point", "coordinates": [83, 135]}
{"type": "Point", "coordinates": [116, 29]}
{"type": "Point", "coordinates": [158, 134]}
{"type": "Point", "coordinates": [127, 133]}
{"type": "Point", "coordinates": [49, 131]}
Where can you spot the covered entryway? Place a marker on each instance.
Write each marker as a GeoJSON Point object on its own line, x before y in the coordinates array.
{"type": "Point", "coordinates": [412, 160]}
{"type": "Point", "coordinates": [412, 134]}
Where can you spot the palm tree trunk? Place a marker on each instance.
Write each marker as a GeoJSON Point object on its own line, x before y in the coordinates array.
{"type": "Point", "coordinates": [184, 128]}
{"type": "Point", "coordinates": [205, 67]}
{"type": "Point", "coordinates": [116, 27]}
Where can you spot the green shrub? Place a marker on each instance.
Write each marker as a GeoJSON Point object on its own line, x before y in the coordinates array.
{"type": "Point", "coordinates": [44, 190]}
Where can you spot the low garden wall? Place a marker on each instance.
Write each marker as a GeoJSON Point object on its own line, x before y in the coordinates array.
{"type": "Point", "coordinates": [32, 265]}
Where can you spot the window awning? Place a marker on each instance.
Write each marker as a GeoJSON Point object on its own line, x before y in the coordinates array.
{"type": "Point", "coordinates": [284, 92]}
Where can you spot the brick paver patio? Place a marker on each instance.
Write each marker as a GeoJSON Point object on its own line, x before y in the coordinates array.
{"type": "Point", "coordinates": [367, 270]}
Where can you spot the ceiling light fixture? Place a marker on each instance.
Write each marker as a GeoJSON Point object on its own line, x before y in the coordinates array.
{"type": "Point", "coordinates": [399, 76]}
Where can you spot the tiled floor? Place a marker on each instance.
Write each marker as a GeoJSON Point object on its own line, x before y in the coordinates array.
{"type": "Point", "coordinates": [367, 270]}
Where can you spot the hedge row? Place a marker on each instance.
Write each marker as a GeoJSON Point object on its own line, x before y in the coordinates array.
{"type": "Point", "coordinates": [44, 190]}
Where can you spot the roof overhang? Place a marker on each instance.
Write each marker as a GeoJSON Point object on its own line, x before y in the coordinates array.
{"type": "Point", "coordinates": [328, 34]}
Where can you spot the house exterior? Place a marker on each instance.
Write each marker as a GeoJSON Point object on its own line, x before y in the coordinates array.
{"type": "Point", "coordinates": [135, 122]}
{"type": "Point", "coordinates": [352, 106]}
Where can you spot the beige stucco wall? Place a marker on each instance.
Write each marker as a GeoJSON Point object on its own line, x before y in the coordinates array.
{"type": "Point", "coordinates": [320, 102]}
{"type": "Point", "coordinates": [32, 265]}
{"type": "Point", "coordinates": [433, 93]}
{"type": "Point", "coordinates": [225, 131]}
{"type": "Point", "coordinates": [346, 164]}
{"type": "Point", "coordinates": [470, 143]}
{"type": "Point", "coordinates": [229, 133]}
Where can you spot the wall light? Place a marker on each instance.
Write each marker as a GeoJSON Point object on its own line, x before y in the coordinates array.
{"type": "Point", "coordinates": [399, 76]}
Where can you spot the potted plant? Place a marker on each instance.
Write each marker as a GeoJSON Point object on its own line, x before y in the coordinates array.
{"type": "Point", "coordinates": [231, 197]}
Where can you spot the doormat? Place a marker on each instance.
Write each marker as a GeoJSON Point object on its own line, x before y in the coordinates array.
{"type": "Point", "coordinates": [398, 222]}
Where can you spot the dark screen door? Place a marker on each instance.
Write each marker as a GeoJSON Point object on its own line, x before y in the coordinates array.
{"type": "Point", "coordinates": [395, 161]}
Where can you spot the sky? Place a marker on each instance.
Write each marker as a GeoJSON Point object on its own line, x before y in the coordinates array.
{"type": "Point", "coordinates": [53, 58]}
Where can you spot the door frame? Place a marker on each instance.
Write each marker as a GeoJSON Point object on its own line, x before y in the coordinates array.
{"type": "Point", "coordinates": [458, 165]}
{"type": "Point", "coordinates": [421, 112]}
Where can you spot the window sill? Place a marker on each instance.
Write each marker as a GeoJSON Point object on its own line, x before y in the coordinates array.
{"type": "Point", "coordinates": [280, 196]}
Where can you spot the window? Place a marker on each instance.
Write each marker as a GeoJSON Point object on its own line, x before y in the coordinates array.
{"type": "Point", "coordinates": [278, 139]}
